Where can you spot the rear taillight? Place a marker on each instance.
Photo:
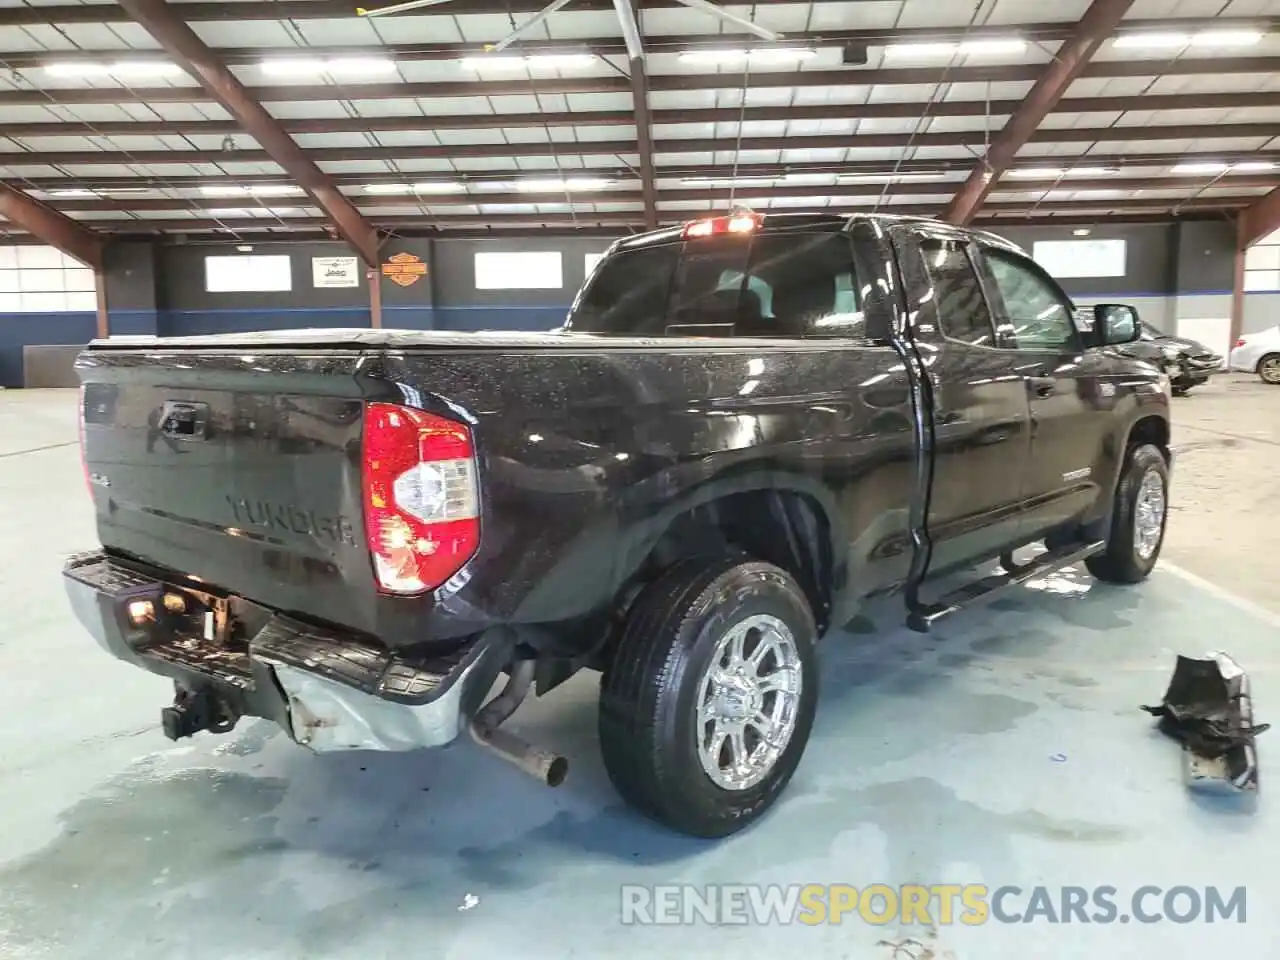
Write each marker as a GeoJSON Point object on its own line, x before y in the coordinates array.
{"type": "Point", "coordinates": [421, 499]}
{"type": "Point", "coordinates": [1241, 342]}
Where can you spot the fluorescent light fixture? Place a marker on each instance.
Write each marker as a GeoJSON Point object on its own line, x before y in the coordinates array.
{"type": "Point", "coordinates": [144, 68]}
{"type": "Point", "coordinates": [388, 189]}
{"type": "Point", "coordinates": [274, 190]}
{"type": "Point", "coordinates": [128, 68]}
{"type": "Point", "coordinates": [1227, 38]}
{"type": "Point", "coordinates": [227, 212]}
{"type": "Point", "coordinates": [223, 191]}
{"type": "Point", "coordinates": [557, 186]}
{"type": "Point", "coordinates": [728, 181]}
{"type": "Point", "coordinates": [244, 248]}
{"type": "Point", "coordinates": [359, 66]}
{"type": "Point", "coordinates": [73, 192]}
{"type": "Point", "coordinates": [992, 47]}
{"type": "Point", "coordinates": [887, 177]}
{"type": "Point", "coordinates": [1152, 41]}
{"type": "Point", "coordinates": [1082, 232]}
{"type": "Point", "coordinates": [1208, 167]}
{"type": "Point", "coordinates": [1252, 166]}
{"type": "Point", "coordinates": [292, 68]}
{"type": "Point", "coordinates": [904, 50]}
{"type": "Point", "coordinates": [1057, 173]}
{"type": "Point", "coordinates": [440, 186]}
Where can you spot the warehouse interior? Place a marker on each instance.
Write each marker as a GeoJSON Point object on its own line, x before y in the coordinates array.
{"type": "Point", "coordinates": [191, 168]}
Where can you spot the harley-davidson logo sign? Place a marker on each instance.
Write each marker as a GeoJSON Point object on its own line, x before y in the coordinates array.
{"type": "Point", "coordinates": [405, 269]}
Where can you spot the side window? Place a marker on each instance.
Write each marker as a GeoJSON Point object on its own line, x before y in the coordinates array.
{"type": "Point", "coordinates": [628, 294]}
{"type": "Point", "coordinates": [962, 309]}
{"type": "Point", "coordinates": [1040, 318]}
{"type": "Point", "coordinates": [803, 286]}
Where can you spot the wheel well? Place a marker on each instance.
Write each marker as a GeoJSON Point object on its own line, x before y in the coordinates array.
{"type": "Point", "coordinates": [1257, 367]}
{"type": "Point", "coordinates": [1153, 430]}
{"type": "Point", "coordinates": [780, 527]}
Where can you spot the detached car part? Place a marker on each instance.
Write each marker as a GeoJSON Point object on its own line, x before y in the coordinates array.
{"type": "Point", "coordinates": [1208, 708]}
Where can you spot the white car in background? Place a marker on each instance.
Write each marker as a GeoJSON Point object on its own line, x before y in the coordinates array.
{"type": "Point", "coordinates": [1258, 353]}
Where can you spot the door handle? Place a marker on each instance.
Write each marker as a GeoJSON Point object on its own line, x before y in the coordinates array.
{"type": "Point", "coordinates": [1042, 386]}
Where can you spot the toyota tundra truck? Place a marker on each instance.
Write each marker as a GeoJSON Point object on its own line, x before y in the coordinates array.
{"type": "Point", "coordinates": [746, 427]}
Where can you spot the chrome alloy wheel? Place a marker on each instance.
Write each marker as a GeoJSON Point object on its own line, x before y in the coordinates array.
{"type": "Point", "coordinates": [1269, 369]}
{"type": "Point", "coordinates": [748, 702]}
{"type": "Point", "coordinates": [1148, 515]}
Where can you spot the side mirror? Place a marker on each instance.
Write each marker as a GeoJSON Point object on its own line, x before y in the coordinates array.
{"type": "Point", "coordinates": [1115, 323]}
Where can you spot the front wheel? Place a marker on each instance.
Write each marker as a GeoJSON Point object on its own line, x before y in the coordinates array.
{"type": "Point", "coordinates": [707, 703]}
{"type": "Point", "coordinates": [1138, 518]}
{"type": "Point", "coordinates": [1269, 368]}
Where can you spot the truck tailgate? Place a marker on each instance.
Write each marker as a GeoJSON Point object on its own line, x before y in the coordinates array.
{"type": "Point", "coordinates": [238, 469]}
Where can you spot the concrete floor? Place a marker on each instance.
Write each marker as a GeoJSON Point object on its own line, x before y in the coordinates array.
{"type": "Point", "coordinates": [1005, 749]}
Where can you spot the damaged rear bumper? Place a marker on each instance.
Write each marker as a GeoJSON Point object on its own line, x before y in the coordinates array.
{"type": "Point", "coordinates": [328, 689]}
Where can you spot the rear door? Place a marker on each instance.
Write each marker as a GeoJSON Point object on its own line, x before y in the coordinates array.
{"type": "Point", "coordinates": [1065, 386]}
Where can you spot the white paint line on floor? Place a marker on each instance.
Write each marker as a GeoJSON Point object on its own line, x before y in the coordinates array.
{"type": "Point", "coordinates": [1222, 593]}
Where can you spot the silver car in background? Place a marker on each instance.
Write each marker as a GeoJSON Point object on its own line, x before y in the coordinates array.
{"type": "Point", "coordinates": [1258, 353]}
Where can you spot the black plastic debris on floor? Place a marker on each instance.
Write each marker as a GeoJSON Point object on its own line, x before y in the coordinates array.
{"type": "Point", "coordinates": [1209, 710]}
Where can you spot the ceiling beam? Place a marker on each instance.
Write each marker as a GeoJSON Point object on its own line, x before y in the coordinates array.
{"type": "Point", "coordinates": [716, 195]}
{"type": "Point", "coordinates": [975, 139]}
{"type": "Point", "coordinates": [618, 118]}
{"type": "Point", "coordinates": [305, 10]}
{"type": "Point", "coordinates": [1261, 219]}
{"type": "Point", "coordinates": [182, 43]}
{"type": "Point", "coordinates": [1014, 211]}
{"type": "Point", "coordinates": [612, 83]}
{"type": "Point", "coordinates": [1131, 161]}
{"type": "Point", "coordinates": [51, 227]}
{"type": "Point", "coordinates": [1070, 62]}
{"type": "Point", "coordinates": [613, 45]}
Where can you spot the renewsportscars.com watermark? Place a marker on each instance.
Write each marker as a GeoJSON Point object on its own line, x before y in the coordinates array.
{"type": "Point", "coordinates": [933, 905]}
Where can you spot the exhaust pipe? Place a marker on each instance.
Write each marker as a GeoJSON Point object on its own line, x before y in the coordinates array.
{"type": "Point", "coordinates": [540, 764]}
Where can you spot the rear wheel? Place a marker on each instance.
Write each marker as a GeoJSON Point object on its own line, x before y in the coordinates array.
{"type": "Point", "coordinates": [708, 701]}
{"type": "Point", "coordinates": [1269, 368]}
{"type": "Point", "coordinates": [1138, 518]}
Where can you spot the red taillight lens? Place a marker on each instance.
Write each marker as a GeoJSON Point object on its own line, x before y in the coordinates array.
{"type": "Point", "coordinates": [1241, 342]}
{"type": "Point", "coordinates": [421, 498]}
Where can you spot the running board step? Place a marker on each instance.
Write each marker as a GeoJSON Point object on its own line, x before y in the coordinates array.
{"type": "Point", "coordinates": [988, 588]}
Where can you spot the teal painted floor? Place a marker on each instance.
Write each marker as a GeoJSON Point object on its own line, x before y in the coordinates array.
{"type": "Point", "coordinates": [1005, 749]}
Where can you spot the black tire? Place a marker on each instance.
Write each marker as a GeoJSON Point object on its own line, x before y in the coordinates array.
{"type": "Point", "coordinates": [1269, 368]}
{"type": "Point", "coordinates": [1181, 391]}
{"type": "Point", "coordinates": [1122, 561]}
{"type": "Point", "coordinates": [650, 690]}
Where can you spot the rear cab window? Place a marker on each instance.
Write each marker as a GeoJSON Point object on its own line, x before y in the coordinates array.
{"type": "Point", "coordinates": [775, 285]}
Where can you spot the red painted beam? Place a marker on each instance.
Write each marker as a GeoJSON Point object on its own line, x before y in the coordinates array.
{"type": "Point", "coordinates": [1260, 219]}
{"type": "Point", "coordinates": [54, 228]}
{"type": "Point", "coordinates": [1097, 24]}
{"type": "Point", "coordinates": [193, 54]}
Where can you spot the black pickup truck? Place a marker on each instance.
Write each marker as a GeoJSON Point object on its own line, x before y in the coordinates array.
{"type": "Point", "coordinates": [747, 426]}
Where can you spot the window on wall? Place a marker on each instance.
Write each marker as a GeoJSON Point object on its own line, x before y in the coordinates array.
{"type": "Point", "coordinates": [248, 274]}
{"type": "Point", "coordinates": [44, 280]}
{"type": "Point", "coordinates": [1262, 265]}
{"type": "Point", "coordinates": [1073, 259]}
{"type": "Point", "coordinates": [591, 261]}
{"type": "Point", "coordinates": [534, 270]}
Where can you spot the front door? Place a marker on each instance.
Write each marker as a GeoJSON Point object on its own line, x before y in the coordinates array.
{"type": "Point", "coordinates": [981, 413]}
{"type": "Point", "coordinates": [1063, 389]}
